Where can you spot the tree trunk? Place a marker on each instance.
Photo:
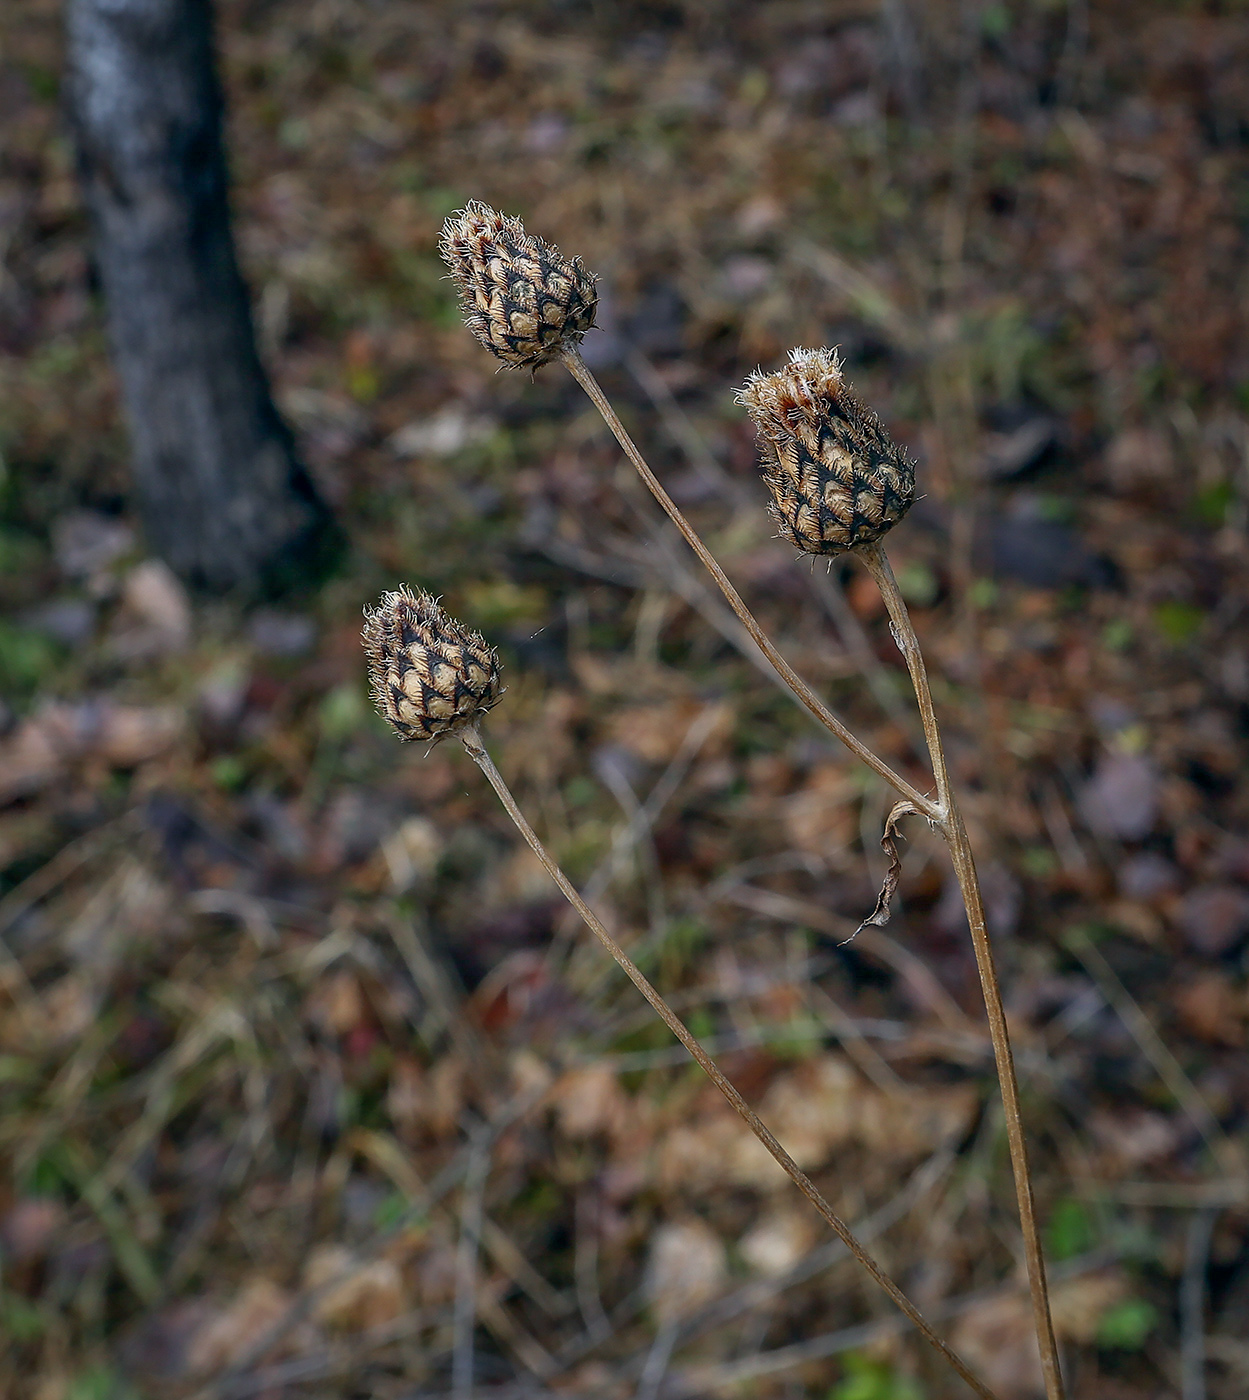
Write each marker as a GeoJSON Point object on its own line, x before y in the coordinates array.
{"type": "Point", "coordinates": [224, 500]}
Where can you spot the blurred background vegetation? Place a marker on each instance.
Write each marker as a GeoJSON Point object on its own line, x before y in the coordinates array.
{"type": "Point", "coordinates": [309, 1086]}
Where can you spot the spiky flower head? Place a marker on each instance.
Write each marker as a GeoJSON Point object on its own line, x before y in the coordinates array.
{"type": "Point", "coordinates": [836, 478]}
{"type": "Point", "coordinates": [521, 298]}
{"type": "Point", "coordinates": [429, 674]}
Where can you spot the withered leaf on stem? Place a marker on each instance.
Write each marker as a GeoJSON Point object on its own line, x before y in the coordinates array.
{"type": "Point", "coordinates": [879, 916]}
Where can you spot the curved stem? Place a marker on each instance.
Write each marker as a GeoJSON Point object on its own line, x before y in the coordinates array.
{"type": "Point", "coordinates": [950, 822]}
{"type": "Point", "coordinates": [471, 740]}
{"type": "Point", "coordinates": [580, 371]}
{"type": "Point", "coordinates": [877, 563]}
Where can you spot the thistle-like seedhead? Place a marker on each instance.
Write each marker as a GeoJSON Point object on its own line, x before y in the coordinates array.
{"type": "Point", "coordinates": [429, 674]}
{"type": "Point", "coordinates": [521, 298]}
{"type": "Point", "coordinates": [837, 480]}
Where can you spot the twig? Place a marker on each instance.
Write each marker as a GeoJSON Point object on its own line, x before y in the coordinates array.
{"type": "Point", "coordinates": [876, 561]}
{"type": "Point", "coordinates": [464, 243]}
{"type": "Point", "coordinates": [950, 822]}
{"type": "Point", "coordinates": [1193, 1306]}
{"type": "Point", "coordinates": [585, 1269]}
{"type": "Point", "coordinates": [578, 368]}
{"type": "Point", "coordinates": [657, 1360]}
{"type": "Point", "coordinates": [465, 1323]}
{"type": "Point", "coordinates": [471, 740]}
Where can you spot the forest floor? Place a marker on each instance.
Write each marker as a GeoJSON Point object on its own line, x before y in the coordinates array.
{"type": "Point", "coordinates": [309, 1086]}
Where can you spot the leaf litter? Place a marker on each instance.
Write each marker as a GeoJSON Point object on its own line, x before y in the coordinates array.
{"type": "Point", "coordinates": [268, 992]}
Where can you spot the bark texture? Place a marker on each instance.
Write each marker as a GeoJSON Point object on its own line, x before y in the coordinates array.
{"type": "Point", "coordinates": [224, 499]}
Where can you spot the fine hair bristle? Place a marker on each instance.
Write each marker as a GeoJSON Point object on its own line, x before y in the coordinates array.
{"type": "Point", "coordinates": [521, 298]}
{"type": "Point", "coordinates": [429, 674]}
{"type": "Point", "coordinates": [837, 479]}
{"type": "Point", "coordinates": [811, 377]}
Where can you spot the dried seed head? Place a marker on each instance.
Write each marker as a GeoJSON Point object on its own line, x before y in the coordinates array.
{"type": "Point", "coordinates": [520, 297]}
{"type": "Point", "coordinates": [429, 674]}
{"type": "Point", "coordinates": [836, 478]}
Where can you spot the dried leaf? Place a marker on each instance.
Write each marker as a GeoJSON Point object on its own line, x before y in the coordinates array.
{"type": "Point", "coordinates": [778, 1241]}
{"type": "Point", "coordinates": [155, 618]}
{"type": "Point", "coordinates": [590, 1101]}
{"type": "Point", "coordinates": [1120, 800]}
{"type": "Point", "coordinates": [28, 1226]}
{"type": "Point", "coordinates": [59, 735]}
{"type": "Point", "coordinates": [1213, 1010]}
{"type": "Point", "coordinates": [357, 1295]}
{"type": "Point", "coordinates": [231, 1334]}
{"type": "Point", "coordinates": [1213, 918]}
{"type": "Point", "coordinates": [818, 1110]}
{"type": "Point", "coordinates": [822, 817]}
{"type": "Point", "coordinates": [686, 1268]}
{"type": "Point", "coordinates": [654, 733]}
{"type": "Point", "coordinates": [996, 1338]}
{"type": "Point", "coordinates": [337, 1004]}
{"type": "Point", "coordinates": [879, 916]}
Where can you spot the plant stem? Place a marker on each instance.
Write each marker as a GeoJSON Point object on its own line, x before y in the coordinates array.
{"type": "Point", "coordinates": [951, 825]}
{"type": "Point", "coordinates": [471, 740]}
{"type": "Point", "coordinates": [580, 371]}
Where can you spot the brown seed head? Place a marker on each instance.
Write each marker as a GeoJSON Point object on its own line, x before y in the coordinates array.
{"type": "Point", "coordinates": [836, 478]}
{"type": "Point", "coordinates": [521, 298]}
{"type": "Point", "coordinates": [429, 674]}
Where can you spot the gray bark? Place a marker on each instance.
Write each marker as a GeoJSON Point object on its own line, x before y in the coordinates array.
{"type": "Point", "coordinates": [224, 499]}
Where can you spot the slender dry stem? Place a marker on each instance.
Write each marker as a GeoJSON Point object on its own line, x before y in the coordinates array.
{"type": "Point", "coordinates": [471, 740]}
{"type": "Point", "coordinates": [951, 825]}
{"type": "Point", "coordinates": [580, 371]}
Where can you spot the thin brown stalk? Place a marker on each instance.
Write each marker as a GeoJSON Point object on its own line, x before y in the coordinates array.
{"type": "Point", "coordinates": [471, 740]}
{"type": "Point", "coordinates": [951, 825]}
{"type": "Point", "coordinates": [580, 371]}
